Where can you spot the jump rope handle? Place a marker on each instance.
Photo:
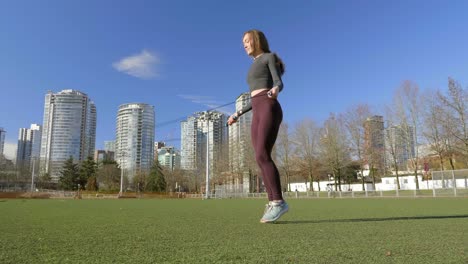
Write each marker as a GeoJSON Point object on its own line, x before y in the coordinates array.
{"type": "Point", "coordinates": [269, 93]}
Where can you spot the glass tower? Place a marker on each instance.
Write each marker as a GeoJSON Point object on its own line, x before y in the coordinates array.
{"type": "Point", "coordinates": [69, 130]}
{"type": "Point", "coordinates": [195, 132]}
{"type": "Point", "coordinates": [134, 143]}
{"type": "Point", "coordinates": [29, 147]}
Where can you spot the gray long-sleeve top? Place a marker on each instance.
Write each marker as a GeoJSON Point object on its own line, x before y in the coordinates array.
{"type": "Point", "coordinates": [264, 73]}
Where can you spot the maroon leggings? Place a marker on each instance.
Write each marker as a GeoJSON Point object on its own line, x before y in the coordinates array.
{"type": "Point", "coordinates": [266, 120]}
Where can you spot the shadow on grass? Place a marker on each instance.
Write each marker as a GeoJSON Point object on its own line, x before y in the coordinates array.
{"type": "Point", "coordinates": [373, 219]}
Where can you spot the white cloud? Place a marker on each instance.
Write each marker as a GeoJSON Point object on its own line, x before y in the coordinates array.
{"type": "Point", "coordinates": [143, 65]}
{"type": "Point", "coordinates": [198, 99]}
{"type": "Point", "coordinates": [209, 102]}
{"type": "Point", "coordinates": [9, 150]}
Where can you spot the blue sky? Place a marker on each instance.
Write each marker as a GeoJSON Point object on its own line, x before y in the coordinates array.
{"type": "Point", "coordinates": [187, 56]}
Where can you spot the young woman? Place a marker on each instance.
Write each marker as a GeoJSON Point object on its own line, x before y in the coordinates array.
{"type": "Point", "coordinates": [264, 79]}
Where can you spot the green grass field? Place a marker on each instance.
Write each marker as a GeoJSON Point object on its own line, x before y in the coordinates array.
{"type": "Point", "coordinates": [228, 231]}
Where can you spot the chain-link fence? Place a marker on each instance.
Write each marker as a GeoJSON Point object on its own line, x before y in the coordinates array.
{"type": "Point", "coordinates": [451, 183]}
{"type": "Point", "coordinates": [443, 183]}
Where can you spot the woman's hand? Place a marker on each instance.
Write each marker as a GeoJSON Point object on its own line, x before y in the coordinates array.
{"type": "Point", "coordinates": [273, 92]}
{"type": "Point", "coordinates": [232, 119]}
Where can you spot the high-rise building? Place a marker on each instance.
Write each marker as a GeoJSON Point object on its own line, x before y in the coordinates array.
{"type": "Point", "coordinates": [374, 143]}
{"type": "Point", "coordinates": [240, 144]}
{"type": "Point", "coordinates": [134, 144]}
{"type": "Point", "coordinates": [103, 155]}
{"type": "Point", "coordinates": [157, 147]}
{"type": "Point", "coordinates": [195, 131]}
{"type": "Point", "coordinates": [69, 130]}
{"type": "Point", "coordinates": [29, 147]}
{"type": "Point", "coordinates": [400, 145]}
{"type": "Point", "coordinates": [2, 141]}
{"type": "Point", "coordinates": [168, 157]}
{"type": "Point", "coordinates": [109, 146]}
{"type": "Point", "coordinates": [188, 141]}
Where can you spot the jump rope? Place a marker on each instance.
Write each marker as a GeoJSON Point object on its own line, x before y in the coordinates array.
{"type": "Point", "coordinates": [162, 124]}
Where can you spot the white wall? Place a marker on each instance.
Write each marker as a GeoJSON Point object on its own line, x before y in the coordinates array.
{"type": "Point", "coordinates": [302, 187]}
{"type": "Point", "coordinates": [387, 184]}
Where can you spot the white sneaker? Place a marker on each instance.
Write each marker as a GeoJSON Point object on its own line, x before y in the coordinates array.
{"type": "Point", "coordinates": [275, 211]}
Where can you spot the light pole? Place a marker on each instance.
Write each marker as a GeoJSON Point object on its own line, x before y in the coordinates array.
{"type": "Point", "coordinates": [239, 158]}
{"type": "Point", "coordinates": [207, 157]}
{"type": "Point", "coordinates": [32, 175]}
{"type": "Point", "coordinates": [121, 178]}
{"type": "Point", "coordinates": [122, 155]}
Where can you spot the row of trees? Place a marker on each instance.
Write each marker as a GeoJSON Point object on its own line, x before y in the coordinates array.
{"type": "Point", "coordinates": [340, 147]}
{"type": "Point", "coordinates": [90, 176]}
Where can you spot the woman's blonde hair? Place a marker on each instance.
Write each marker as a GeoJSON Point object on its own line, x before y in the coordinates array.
{"type": "Point", "coordinates": [260, 42]}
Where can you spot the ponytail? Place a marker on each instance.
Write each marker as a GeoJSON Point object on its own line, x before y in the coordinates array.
{"type": "Point", "coordinates": [279, 64]}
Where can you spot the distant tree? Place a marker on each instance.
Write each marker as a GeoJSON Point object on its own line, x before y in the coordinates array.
{"type": "Point", "coordinates": [178, 178]}
{"type": "Point", "coordinates": [219, 174]}
{"type": "Point", "coordinates": [156, 181]}
{"type": "Point", "coordinates": [393, 144]}
{"type": "Point", "coordinates": [23, 172]}
{"type": "Point", "coordinates": [108, 175]}
{"type": "Point", "coordinates": [7, 176]}
{"type": "Point", "coordinates": [251, 165]}
{"type": "Point", "coordinates": [92, 184]}
{"type": "Point", "coordinates": [355, 119]}
{"type": "Point", "coordinates": [44, 180]}
{"type": "Point", "coordinates": [284, 152]}
{"type": "Point", "coordinates": [320, 171]}
{"type": "Point", "coordinates": [193, 178]}
{"type": "Point", "coordinates": [334, 148]}
{"type": "Point", "coordinates": [408, 108]}
{"type": "Point", "coordinates": [306, 138]}
{"type": "Point", "coordinates": [107, 161]}
{"type": "Point", "coordinates": [87, 177]}
{"type": "Point", "coordinates": [456, 108]}
{"type": "Point", "coordinates": [69, 178]}
{"type": "Point", "coordinates": [350, 172]}
{"type": "Point", "coordinates": [140, 180]}
{"type": "Point", "coordinates": [434, 129]}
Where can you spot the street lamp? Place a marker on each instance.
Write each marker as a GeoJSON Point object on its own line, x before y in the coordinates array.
{"type": "Point", "coordinates": [32, 174]}
{"type": "Point", "coordinates": [207, 158]}
{"type": "Point", "coordinates": [123, 154]}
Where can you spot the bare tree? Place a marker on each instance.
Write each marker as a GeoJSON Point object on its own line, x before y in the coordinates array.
{"type": "Point", "coordinates": [283, 148]}
{"type": "Point", "coordinates": [221, 172]}
{"type": "Point", "coordinates": [334, 147]}
{"type": "Point", "coordinates": [194, 180]}
{"type": "Point", "coordinates": [244, 162]}
{"type": "Point", "coordinates": [355, 119]}
{"type": "Point", "coordinates": [408, 110]}
{"type": "Point", "coordinates": [456, 102]}
{"type": "Point", "coordinates": [434, 129]}
{"type": "Point", "coordinates": [320, 171]}
{"type": "Point", "coordinates": [253, 169]}
{"type": "Point", "coordinates": [449, 141]}
{"type": "Point", "coordinates": [139, 180]}
{"type": "Point", "coordinates": [393, 143]}
{"type": "Point", "coordinates": [374, 146]}
{"type": "Point", "coordinates": [306, 137]}
{"type": "Point", "coordinates": [178, 180]}
{"type": "Point", "coordinates": [108, 175]}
